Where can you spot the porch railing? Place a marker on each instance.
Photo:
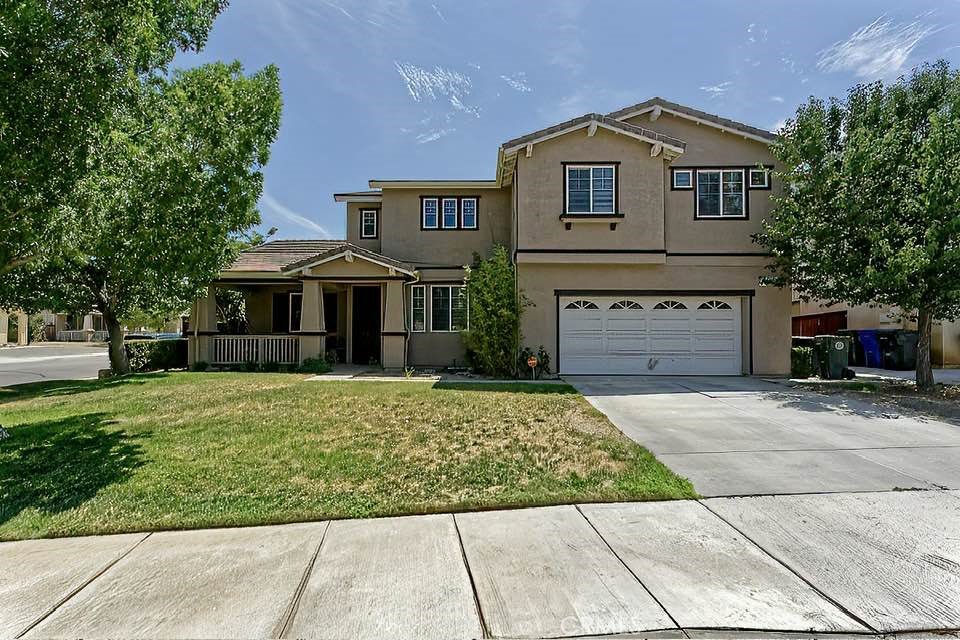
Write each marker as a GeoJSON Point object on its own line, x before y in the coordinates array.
{"type": "Point", "coordinates": [242, 349]}
{"type": "Point", "coordinates": [101, 336]}
{"type": "Point", "coordinates": [75, 335]}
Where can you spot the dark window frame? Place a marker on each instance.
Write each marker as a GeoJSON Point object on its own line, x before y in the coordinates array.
{"type": "Point", "coordinates": [376, 223]}
{"type": "Point", "coordinates": [459, 223]}
{"type": "Point", "coordinates": [565, 166]}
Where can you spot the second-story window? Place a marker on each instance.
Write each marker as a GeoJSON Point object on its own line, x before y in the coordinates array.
{"type": "Point", "coordinates": [449, 213]}
{"type": "Point", "coordinates": [430, 216]}
{"type": "Point", "coordinates": [590, 189]}
{"type": "Point", "coordinates": [468, 213]}
{"type": "Point", "coordinates": [368, 223]}
{"type": "Point", "coordinates": [720, 193]}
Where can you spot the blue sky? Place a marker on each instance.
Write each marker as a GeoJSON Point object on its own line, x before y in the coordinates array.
{"type": "Point", "coordinates": [407, 89]}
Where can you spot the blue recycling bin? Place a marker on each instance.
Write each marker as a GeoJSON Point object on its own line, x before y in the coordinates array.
{"type": "Point", "coordinates": [872, 356]}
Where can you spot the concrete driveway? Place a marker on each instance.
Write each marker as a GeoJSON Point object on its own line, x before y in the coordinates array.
{"type": "Point", "coordinates": [51, 361]}
{"type": "Point", "coordinates": [744, 436]}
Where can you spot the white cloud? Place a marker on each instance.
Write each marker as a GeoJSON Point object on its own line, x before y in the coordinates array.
{"type": "Point", "coordinates": [880, 49]}
{"type": "Point", "coordinates": [433, 135]}
{"type": "Point", "coordinates": [438, 84]}
{"type": "Point", "coordinates": [777, 99]}
{"type": "Point", "coordinates": [436, 10]}
{"type": "Point", "coordinates": [717, 90]}
{"type": "Point", "coordinates": [517, 82]}
{"type": "Point", "coordinates": [278, 208]}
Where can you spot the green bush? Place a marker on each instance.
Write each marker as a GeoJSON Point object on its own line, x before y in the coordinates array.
{"type": "Point", "coordinates": [495, 310]}
{"type": "Point", "coordinates": [154, 355]}
{"type": "Point", "coordinates": [315, 365]}
{"type": "Point", "coordinates": [801, 362]}
{"type": "Point", "coordinates": [201, 365]}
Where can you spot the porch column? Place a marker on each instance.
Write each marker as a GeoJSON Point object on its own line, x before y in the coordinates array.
{"type": "Point", "coordinates": [394, 330]}
{"type": "Point", "coordinates": [23, 328]}
{"type": "Point", "coordinates": [313, 332]}
{"type": "Point", "coordinates": [4, 326]}
{"type": "Point", "coordinates": [203, 325]}
{"type": "Point", "coordinates": [88, 327]}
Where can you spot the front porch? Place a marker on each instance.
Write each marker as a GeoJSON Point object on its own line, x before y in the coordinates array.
{"type": "Point", "coordinates": [344, 305]}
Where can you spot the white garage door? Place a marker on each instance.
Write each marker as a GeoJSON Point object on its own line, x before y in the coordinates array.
{"type": "Point", "coordinates": [650, 335]}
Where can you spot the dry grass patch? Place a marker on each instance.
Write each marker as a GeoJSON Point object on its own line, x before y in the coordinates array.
{"type": "Point", "coordinates": [193, 450]}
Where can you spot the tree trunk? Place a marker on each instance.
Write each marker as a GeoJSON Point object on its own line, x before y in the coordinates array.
{"type": "Point", "coordinates": [118, 354]}
{"type": "Point", "coordinates": [925, 380]}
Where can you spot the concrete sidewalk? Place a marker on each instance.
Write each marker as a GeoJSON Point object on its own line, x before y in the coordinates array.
{"type": "Point", "coordinates": [867, 563]}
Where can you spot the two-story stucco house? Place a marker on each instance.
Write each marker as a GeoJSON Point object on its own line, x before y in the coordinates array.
{"type": "Point", "coordinates": [631, 234]}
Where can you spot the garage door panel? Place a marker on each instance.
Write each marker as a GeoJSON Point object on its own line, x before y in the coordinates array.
{"type": "Point", "coordinates": [613, 339]}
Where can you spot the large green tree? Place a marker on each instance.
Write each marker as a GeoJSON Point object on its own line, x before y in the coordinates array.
{"type": "Point", "coordinates": [66, 66]}
{"type": "Point", "coordinates": [870, 210]}
{"type": "Point", "coordinates": [174, 183]}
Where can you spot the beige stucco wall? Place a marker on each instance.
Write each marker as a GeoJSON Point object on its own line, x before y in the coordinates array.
{"type": "Point", "coordinates": [353, 225]}
{"type": "Point", "coordinates": [434, 349]}
{"type": "Point", "coordinates": [540, 194]}
{"type": "Point", "coordinates": [771, 306]}
{"type": "Point", "coordinates": [403, 239]}
{"type": "Point", "coordinates": [710, 147]}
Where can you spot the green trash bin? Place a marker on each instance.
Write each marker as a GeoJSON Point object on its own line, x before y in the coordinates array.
{"type": "Point", "coordinates": [832, 354]}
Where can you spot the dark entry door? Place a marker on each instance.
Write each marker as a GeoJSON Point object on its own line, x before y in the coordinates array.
{"type": "Point", "coordinates": [366, 325]}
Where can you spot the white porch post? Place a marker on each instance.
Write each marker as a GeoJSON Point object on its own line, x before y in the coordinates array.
{"type": "Point", "coordinates": [88, 327]}
{"type": "Point", "coordinates": [394, 330]}
{"type": "Point", "coordinates": [23, 328]}
{"type": "Point", "coordinates": [203, 324]}
{"type": "Point", "coordinates": [4, 326]}
{"type": "Point", "coordinates": [313, 333]}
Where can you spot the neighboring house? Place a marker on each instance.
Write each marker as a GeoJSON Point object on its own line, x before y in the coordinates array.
{"type": "Point", "coordinates": [814, 318]}
{"type": "Point", "coordinates": [17, 331]}
{"type": "Point", "coordinates": [631, 234]}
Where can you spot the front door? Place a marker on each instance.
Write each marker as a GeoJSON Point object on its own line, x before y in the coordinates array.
{"type": "Point", "coordinates": [366, 325]}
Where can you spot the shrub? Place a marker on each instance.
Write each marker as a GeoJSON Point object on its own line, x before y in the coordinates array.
{"type": "Point", "coordinates": [315, 365]}
{"type": "Point", "coordinates": [38, 329]}
{"type": "Point", "coordinates": [201, 365]}
{"type": "Point", "coordinates": [495, 309]}
{"type": "Point", "coordinates": [154, 355]}
{"type": "Point", "coordinates": [801, 362]}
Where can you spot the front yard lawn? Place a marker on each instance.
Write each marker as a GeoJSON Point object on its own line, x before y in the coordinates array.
{"type": "Point", "coordinates": [185, 450]}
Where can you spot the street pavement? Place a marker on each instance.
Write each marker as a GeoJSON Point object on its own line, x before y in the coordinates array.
{"type": "Point", "coordinates": [51, 361]}
{"type": "Point", "coordinates": [736, 436]}
{"type": "Point", "coordinates": [865, 563]}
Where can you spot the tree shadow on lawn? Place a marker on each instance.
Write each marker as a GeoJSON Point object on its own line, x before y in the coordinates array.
{"type": "Point", "coordinates": [56, 388]}
{"type": "Point", "coordinates": [57, 465]}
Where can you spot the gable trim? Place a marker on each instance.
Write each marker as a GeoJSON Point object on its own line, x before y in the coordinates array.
{"type": "Point", "coordinates": [349, 256]}
{"type": "Point", "coordinates": [657, 109]}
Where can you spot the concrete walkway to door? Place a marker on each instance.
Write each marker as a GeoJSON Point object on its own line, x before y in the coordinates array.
{"type": "Point", "coordinates": [743, 436]}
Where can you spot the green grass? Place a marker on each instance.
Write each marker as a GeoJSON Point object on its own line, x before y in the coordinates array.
{"type": "Point", "coordinates": [183, 450]}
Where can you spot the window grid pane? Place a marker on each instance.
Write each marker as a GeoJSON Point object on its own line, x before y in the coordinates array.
{"type": "Point", "coordinates": [708, 193]}
{"type": "Point", "coordinates": [440, 309]}
{"type": "Point", "coordinates": [369, 224]}
{"type": "Point", "coordinates": [578, 190]}
{"type": "Point", "coordinates": [458, 312]}
{"type": "Point", "coordinates": [430, 213]}
{"type": "Point", "coordinates": [418, 309]}
{"type": "Point", "coordinates": [732, 193]}
{"type": "Point", "coordinates": [469, 206]}
{"type": "Point", "coordinates": [449, 214]}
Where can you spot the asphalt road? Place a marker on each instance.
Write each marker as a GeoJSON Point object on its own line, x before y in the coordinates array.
{"type": "Point", "coordinates": [51, 361]}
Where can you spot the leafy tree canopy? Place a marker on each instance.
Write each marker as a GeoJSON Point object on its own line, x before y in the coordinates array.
{"type": "Point", "coordinates": [66, 66]}
{"type": "Point", "coordinates": [495, 309]}
{"type": "Point", "coordinates": [172, 191]}
{"type": "Point", "coordinates": [870, 210]}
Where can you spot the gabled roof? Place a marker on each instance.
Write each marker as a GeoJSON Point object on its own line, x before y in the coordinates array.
{"type": "Point", "coordinates": [348, 251]}
{"type": "Point", "coordinates": [273, 256]}
{"type": "Point", "coordinates": [586, 121]}
{"type": "Point", "coordinates": [657, 105]}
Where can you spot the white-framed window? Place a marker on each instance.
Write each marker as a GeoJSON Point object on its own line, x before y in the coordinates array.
{"type": "Point", "coordinates": [683, 178]}
{"type": "Point", "coordinates": [449, 213]}
{"type": "Point", "coordinates": [590, 188]}
{"type": "Point", "coordinates": [418, 308]}
{"type": "Point", "coordinates": [430, 217]}
{"type": "Point", "coordinates": [759, 178]}
{"type": "Point", "coordinates": [448, 308]}
{"type": "Point", "coordinates": [296, 311]}
{"type": "Point", "coordinates": [720, 193]}
{"type": "Point", "coordinates": [368, 223]}
{"type": "Point", "coordinates": [468, 213]}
